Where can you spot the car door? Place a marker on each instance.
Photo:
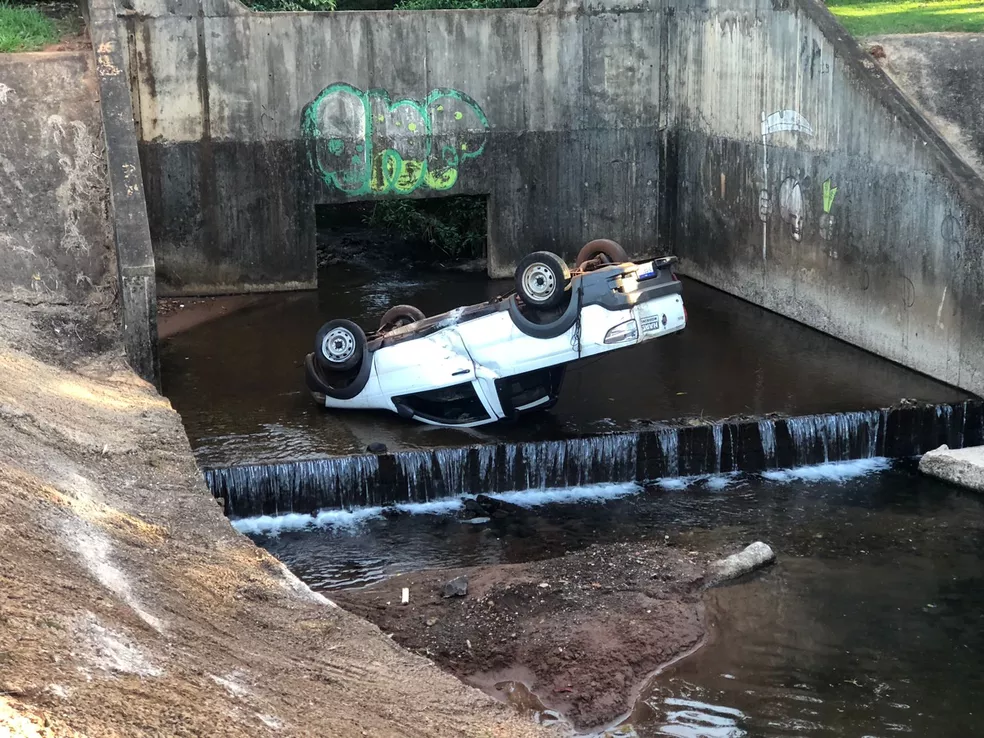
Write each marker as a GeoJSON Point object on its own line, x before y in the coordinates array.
{"type": "Point", "coordinates": [494, 342]}
{"type": "Point", "coordinates": [426, 363]}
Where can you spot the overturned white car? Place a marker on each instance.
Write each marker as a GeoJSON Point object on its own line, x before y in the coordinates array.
{"type": "Point", "coordinates": [496, 360]}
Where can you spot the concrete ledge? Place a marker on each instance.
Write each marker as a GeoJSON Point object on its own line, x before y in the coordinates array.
{"type": "Point", "coordinates": [131, 230]}
{"type": "Point", "coordinates": [964, 467]}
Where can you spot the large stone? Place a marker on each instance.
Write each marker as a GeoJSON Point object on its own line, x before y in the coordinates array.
{"type": "Point", "coordinates": [497, 508]}
{"type": "Point", "coordinates": [457, 587]}
{"type": "Point", "coordinates": [964, 467]}
{"type": "Point", "coordinates": [737, 565]}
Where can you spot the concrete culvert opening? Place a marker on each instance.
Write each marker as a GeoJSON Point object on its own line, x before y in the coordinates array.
{"type": "Point", "coordinates": [434, 233]}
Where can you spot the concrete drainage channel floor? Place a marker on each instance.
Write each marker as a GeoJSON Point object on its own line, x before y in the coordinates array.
{"type": "Point", "coordinates": [869, 625]}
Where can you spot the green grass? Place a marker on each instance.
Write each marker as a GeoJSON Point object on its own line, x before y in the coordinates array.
{"type": "Point", "coordinates": [875, 17]}
{"type": "Point", "coordinates": [24, 29]}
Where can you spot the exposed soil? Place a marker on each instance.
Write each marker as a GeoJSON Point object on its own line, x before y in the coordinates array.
{"type": "Point", "coordinates": [129, 605]}
{"type": "Point", "coordinates": [68, 20]}
{"type": "Point", "coordinates": [581, 631]}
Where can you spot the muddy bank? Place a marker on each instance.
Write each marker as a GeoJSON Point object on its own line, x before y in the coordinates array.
{"type": "Point", "coordinates": [128, 604]}
{"type": "Point", "coordinates": [581, 631]}
{"type": "Point", "coordinates": [177, 314]}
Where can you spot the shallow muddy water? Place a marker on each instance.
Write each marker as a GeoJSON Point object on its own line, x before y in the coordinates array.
{"type": "Point", "coordinates": [870, 624]}
{"type": "Point", "coordinates": [238, 380]}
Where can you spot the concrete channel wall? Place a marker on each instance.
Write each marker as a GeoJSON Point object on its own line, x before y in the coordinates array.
{"type": "Point", "coordinates": [55, 235]}
{"type": "Point", "coordinates": [73, 225]}
{"type": "Point", "coordinates": [137, 283]}
{"type": "Point", "coordinates": [247, 120]}
{"type": "Point", "coordinates": [808, 184]}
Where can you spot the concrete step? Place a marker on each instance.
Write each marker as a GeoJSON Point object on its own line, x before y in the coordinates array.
{"type": "Point", "coordinates": [964, 467]}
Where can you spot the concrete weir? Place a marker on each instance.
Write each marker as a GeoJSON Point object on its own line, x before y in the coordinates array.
{"type": "Point", "coordinates": [736, 446]}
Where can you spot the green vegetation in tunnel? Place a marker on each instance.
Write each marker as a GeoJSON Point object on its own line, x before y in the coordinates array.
{"type": "Point", "coordinates": [435, 231]}
{"type": "Point", "coordinates": [875, 17]}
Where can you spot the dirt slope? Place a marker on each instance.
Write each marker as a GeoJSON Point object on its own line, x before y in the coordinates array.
{"type": "Point", "coordinates": [129, 606]}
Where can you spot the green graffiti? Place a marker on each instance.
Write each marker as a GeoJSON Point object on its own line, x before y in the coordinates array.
{"type": "Point", "coordinates": [362, 142]}
{"type": "Point", "coordinates": [828, 196]}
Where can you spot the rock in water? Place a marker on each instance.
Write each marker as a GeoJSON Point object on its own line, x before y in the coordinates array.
{"type": "Point", "coordinates": [964, 466]}
{"type": "Point", "coordinates": [497, 508]}
{"type": "Point", "coordinates": [754, 557]}
{"type": "Point", "coordinates": [457, 587]}
{"type": "Point", "coordinates": [471, 509]}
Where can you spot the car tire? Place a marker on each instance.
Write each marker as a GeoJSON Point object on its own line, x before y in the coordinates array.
{"type": "Point", "coordinates": [339, 345]}
{"type": "Point", "coordinates": [400, 315]}
{"type": "Point", "coordinates": [543, 280]}
{"type": "Point", "coordinates": [608, 251]}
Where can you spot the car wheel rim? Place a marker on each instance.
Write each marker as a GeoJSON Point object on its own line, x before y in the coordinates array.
{"type": "Point", "coordinates": [338, 345]}
{"type": "Point", "coordinates": [539, 282]}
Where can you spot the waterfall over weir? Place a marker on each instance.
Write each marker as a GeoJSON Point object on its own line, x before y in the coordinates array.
{"type": "Point", "coordinates": [651, 453]}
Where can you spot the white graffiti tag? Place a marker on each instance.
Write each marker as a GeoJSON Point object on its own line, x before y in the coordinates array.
{"type": "Point", "coordinates": [791, 194]}
{"type": "Point", "coordinates": [83, 189]}
{"type": "Point", "coordinates": [785, 120]}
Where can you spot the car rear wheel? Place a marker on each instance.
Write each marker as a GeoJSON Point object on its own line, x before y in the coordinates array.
{"type": "Point", "coordinates": [400, 315]}
{"type": "Point", "coordinates": [339, 345]}
{"type": "Point", "coordinates": [542, 280]}
{"type": "Point", "coordinates": [603, 250]}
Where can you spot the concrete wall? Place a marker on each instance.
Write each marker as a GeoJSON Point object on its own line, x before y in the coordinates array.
{"type": "Point", "coordinates": [808, 184]}
{"type": "Point", "coordinates": [247, 120]}
{"type": "Point", "coordinates": [137, 288]}
{"type": "Point", "coordinates": [70, 207]}
{"type": "Point", "coordinates": [55, 238]}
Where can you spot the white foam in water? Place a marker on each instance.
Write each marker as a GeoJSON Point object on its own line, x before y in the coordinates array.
{"type": "Point", "coordinates": [721, 481]}
{"type": "Point", "coordinates": [837, 471]}
{"type": "Point", "coordinates": [273, 525]}
{"type": "Point", "coordinates": [588, 493]}
{"type": "Point", "coordinates": [435, 507]}
{"type": "Point", "coordinates": [713, 482]}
